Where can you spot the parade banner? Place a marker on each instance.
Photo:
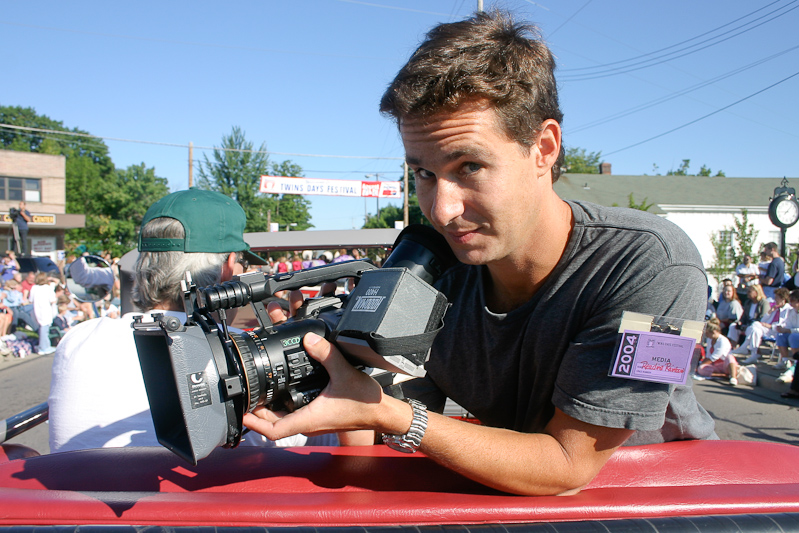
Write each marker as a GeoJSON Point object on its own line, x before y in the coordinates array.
{"type": "Point", "coordinates": [323, 187]}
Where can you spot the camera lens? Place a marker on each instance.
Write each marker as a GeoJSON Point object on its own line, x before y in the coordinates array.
{"type": "Point", "coordinates": [276, 370]}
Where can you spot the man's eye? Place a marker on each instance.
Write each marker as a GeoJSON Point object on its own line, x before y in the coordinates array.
{"type": "Point", "coordinates": [424, 174]}
{"type": "Point", "coordinates": [471, 168]}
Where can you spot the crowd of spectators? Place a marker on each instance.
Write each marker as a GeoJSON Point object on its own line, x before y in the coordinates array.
{"type": "Point", "coordinates": [760, 303]}
{"type": "Point", "coordinates": [37, 308]}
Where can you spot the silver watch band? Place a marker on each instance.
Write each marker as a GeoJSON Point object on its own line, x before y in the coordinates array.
{"type": "Point", "coordinates": [410, 441]}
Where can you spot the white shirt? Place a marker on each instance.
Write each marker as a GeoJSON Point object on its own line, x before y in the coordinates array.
{"type": "Point", "coordinates": [97, 395]}
{"type": "Point", "coordinates": [43, 299]}
{"type": "Point", "coordinates": [718, 349]}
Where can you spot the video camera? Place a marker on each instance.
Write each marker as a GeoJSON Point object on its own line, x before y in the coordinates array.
{"type": "Point", "coordinates": [201, 379]}
{"type": "Point", "coordinates": [13, 213]}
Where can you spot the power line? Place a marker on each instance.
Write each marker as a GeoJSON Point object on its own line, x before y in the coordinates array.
{"type": "Point", "coordinates": [703, 117]}
{"type": "Point", "coordinates": [175, 145]}
{"type": "Point", "coordinates": [677, 94]}
{"type": "Point", "coordinates": [676, 54]}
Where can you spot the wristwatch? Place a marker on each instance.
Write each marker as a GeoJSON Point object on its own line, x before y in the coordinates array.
{"type": "Point", "coordinates": [410, 442]}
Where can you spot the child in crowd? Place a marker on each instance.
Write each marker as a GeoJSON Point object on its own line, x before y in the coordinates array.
{"type": "Point", "coordinates": [719, 361]}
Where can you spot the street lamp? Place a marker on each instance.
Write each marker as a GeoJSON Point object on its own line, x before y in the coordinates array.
{"type": "Point", "coordinates": [783, 210]}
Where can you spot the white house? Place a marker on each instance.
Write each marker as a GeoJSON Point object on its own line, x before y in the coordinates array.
{"type": "Point", "coordinates": [699, 205]}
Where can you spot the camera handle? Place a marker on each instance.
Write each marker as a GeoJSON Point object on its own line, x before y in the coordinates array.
{"type": "Point", "coordinates": [317, 275]}
{"type": "Point", "coordinates": [286, 281]}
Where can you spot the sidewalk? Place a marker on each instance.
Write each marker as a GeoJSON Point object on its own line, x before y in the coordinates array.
{"type": "Point", "coordinates": [10, 361]}
{"type": "Point", "coordinates": [766, 373]}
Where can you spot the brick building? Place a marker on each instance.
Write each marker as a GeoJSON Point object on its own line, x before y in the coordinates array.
{"type": "Point", "coordinates": [40, 180]}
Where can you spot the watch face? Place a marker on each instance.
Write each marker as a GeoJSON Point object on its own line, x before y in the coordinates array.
{"type": "Point", "coordinates": [787, 211]}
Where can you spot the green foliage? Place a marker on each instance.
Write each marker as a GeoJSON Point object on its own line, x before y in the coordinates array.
{"type": "Point", "coordinates": [746, 235]}
{"type": "Point", "coordinates": [641, 206]}
{"type": "Point", "coordinates": [683, 170]}
{"type": "Point", "coordinates": [723, 265]}
{"type": "Point", "coordinates": [386, 217]}
{"type": "Point", "coordinates": [235, 170]}
{"type": "Point", "coordinates": [578, 161]}
{"type": "Point", "coordinates": [114, 201]}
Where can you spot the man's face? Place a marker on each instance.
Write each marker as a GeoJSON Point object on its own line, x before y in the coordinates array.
{"type": "Point", "coordinates": [794, 304]}
{"type": "Point", "coordinates": [476, 186]}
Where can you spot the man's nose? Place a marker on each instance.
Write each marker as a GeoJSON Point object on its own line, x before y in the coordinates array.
{"type": "Point", "coordinates": [448, 202]}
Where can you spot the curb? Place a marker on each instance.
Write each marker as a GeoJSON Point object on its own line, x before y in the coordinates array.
{"type": "Point", "coordinates": [766, 373]}
{"type": "Point", "coordinates": [11, 361]}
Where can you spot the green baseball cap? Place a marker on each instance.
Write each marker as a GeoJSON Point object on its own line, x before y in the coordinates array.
{"type": "Point", "coordinates": [213, 223]}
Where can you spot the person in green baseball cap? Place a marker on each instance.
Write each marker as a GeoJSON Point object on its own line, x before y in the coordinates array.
{"type": "Point", "coordinates": [97, 395]}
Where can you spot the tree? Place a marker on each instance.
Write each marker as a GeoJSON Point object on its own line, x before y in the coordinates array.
{"type": "Point", "coordinates": [236, 171]}
{"type": "Point", "coordinates": [386, 216]}
{"type": "Point", "coordinates": [746, 235]}
{"type": "Point", "coordinates": [683, 170]}
{"type": "Point", "coordinates": [578, 161]}
{"type": "Point", "coordinates": [114, 201]}
{"type": "Point", "coordinates": [723, 254]}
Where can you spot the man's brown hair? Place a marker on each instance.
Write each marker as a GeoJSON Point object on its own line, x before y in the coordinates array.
{"type": "Point", "coordinates": [487, 56]}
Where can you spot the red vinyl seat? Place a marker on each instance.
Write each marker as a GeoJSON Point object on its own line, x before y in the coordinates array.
{"type": "Point", "coordinates": [374, 486]}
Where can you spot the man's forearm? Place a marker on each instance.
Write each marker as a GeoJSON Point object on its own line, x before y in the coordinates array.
{"type": "Point", "coordinates": [519, 463]}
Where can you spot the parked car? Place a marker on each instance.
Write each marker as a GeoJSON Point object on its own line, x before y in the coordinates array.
{"type": "Point", "coordinates": [37, 264]}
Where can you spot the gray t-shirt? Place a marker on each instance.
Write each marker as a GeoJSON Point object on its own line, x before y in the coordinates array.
{"type": "Point", "coordinates": [511, 370]}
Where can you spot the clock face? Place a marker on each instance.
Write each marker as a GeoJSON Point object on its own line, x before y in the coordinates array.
{"type": "Point", "coordinates": [787, 211]}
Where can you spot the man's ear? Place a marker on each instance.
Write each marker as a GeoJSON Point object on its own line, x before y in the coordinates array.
{"type": "Point", "coordinates": [549, 142]}
{"type": "Point", "coordinates": [227, 267]}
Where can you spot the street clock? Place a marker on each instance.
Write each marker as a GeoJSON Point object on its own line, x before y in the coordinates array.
{"type": "Point", "coordinates": [783, 210]}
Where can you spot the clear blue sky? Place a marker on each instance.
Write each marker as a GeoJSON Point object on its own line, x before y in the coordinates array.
{"type": "Point", "coordinates": [306, 76]}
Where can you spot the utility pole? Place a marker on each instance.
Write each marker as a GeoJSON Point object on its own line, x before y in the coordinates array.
{"type": "Point", "coordinates": [479, 6]}
{"type": "Point", "coordinates": [191, 164]}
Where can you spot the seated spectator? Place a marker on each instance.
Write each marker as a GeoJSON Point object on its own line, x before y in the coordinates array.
{"type": "Point", "coordinates": [9, 266]}
{"type": "Point", "coordinates": [27, 283]}
{"type": "Point", "coordinates": [97, 394]}
{"type": "Point", "coordinates": [6, 317]}
{"type": "Point", "coordinates": [719, 361]}
{"type": "Point", "coordinates": [729, 310]}
{"type": "Point", "coordinates": [748, 274]}
{"type": "Point", "coordinates": [788, 333]}
{"type": "Point", "coordinates": [62, 320]}
{"type": "Point", "coordinates": [756, 308]}
{"type": "Point", "coordinates": [764, 328]}
{"type": "Point", "coordinates": [343, 255]}
{"type": "Point", "coordinates": [23, 310]}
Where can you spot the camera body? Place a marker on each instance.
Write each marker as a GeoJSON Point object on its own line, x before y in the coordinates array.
{"type": "Point", "coordinates": [201, 379]}
{"type": "Point", "coordinates": [13, 213]}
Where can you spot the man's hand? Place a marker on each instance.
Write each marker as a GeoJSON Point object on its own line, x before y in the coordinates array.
{"type": "Point", "coordinates": [263, 421]}
{"type": "Point", "coordinates": [350, 401]}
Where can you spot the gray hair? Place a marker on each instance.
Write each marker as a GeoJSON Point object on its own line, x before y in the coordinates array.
{"type": "Point", "coordinates": [158, 274]}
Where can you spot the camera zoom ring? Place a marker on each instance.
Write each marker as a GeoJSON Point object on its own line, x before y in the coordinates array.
{"type": "Point", "coordinates": [247, 362]}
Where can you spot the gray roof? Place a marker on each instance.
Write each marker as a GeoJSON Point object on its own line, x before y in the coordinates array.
{"type": "Point", "coordinates": [607, 189]}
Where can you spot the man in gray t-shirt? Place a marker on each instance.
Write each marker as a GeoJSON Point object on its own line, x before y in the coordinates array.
{"type": "Point", "coordinates": [536, 306]}
{"type": "Point", "coordinates": [513, 369]}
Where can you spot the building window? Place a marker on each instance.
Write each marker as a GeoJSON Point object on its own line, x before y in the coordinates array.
{"type": "Point", "coordinates": [18, 189]}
